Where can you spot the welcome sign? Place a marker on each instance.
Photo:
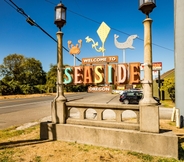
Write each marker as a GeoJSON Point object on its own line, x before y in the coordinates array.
{"type": "Point", "coordinates": [103, 70]}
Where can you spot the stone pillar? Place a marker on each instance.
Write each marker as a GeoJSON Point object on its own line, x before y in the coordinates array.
{"type": "Point", "coordinates": [149, 111]}
{"type": "Point", "coordinates": [59, 112]}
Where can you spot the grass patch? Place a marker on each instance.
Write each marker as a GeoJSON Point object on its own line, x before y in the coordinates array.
{"type": "Point", "coordinates": [167, 103]}
{"type": "Point", "coordinates": [51, 151]}
{"type": "Point", "coordinates": [12, 132]}
{"type": "Point", "coordinates": [7, 155]}
{"type": "Point", "coordinates": [149, 158]}
{"type": "Point", "coordinates": [172, 123]}
{"type": "Point", "coordinates": [37, 158]}
{"type": "Point", "coordinates": [143, 157]}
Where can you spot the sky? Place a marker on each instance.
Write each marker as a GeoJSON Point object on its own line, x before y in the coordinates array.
{"type": "Point", "coordinates": [83, 19]}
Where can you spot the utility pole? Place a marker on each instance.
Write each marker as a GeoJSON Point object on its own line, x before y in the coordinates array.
{"type": "Point", "coordinates": [179, 56]}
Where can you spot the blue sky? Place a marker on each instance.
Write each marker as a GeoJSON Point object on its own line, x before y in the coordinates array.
{"type": "Point", "coordinates": [83, 19]}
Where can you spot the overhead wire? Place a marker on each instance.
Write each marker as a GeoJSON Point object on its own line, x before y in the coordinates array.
{"type": "Point", "coordinates": [10, 4]}
{"type": "Point", "coordinates": [50, 2]}
{"type": "Point", "coordinates": [33, 23]}
{"type": "Point", "coordinates": [117, 30]}
{"type": "Point", "coordinates": [110, 27]}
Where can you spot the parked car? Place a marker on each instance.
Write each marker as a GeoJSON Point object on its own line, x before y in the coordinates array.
{"type": "Point", "coordinates": [121, 92]}
{"type": "Point", "coordinates": [135, 89]}
{"type": "Point", "coordinates": [133, 97]}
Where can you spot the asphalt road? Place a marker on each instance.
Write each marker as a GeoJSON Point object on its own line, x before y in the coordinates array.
{"type": "Point", "coordinates": [15, 112]}
{"type": "Point", "coordinates": [14, 105]}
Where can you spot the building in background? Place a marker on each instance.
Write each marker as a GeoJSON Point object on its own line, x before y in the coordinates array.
{"type": "Point", "coordinates": [164, 95]}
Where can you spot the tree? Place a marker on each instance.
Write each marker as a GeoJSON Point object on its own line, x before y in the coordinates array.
{"type": "Point", "coordinates": [12, 67]}
{"type": "Point", "coordinates": [33, 73]}
{"type": "Point", "coordinates": [51, 79]}
{"type": "Point", "coordinates": [22, 75]}
{"type": "Point", "coordinates": [169, 86]}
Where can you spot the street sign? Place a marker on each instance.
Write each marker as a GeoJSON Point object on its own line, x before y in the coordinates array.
{"type": "Point", "coordinates": [155, 66]}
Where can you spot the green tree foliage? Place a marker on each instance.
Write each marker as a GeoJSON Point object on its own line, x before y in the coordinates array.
{"type": "Point", "coordinates": [33, 73]}
{"type": "Point", "coordinates": [21, 75]}
{"type": "Point", "coordinates": [12, 67]}
{"type": "Point", "coordinates": [169, 86]}
{"type": "Point", "coordinates": [8, 88]}
{"type": "Point", "coordinates": [51, 79]}
{"type": "Point", "coordinates": [75, 88]}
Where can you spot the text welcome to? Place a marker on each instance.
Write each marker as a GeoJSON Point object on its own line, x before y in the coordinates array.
{"type": "Point", "coordinates": [103, 70]}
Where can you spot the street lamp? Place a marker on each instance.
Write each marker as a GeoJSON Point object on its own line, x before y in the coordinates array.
{"type": "Point", "coordinates": [146, 6]}
{"type": "Point", "coordinates": [149, 111]}
{"type": "Point", "coordinates": [60, 15]}
{"type": "Point", "coordinates": [58, 105]}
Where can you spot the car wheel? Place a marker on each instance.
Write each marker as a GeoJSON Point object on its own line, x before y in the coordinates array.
{"type": "Point", "coordinates": [126, 102]}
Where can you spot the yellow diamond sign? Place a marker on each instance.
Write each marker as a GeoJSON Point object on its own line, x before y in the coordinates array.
{"type": "Point", "coordinates": [103, 31]}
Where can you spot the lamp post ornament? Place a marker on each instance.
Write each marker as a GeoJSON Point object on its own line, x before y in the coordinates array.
{"type": "Point", "coordinates": [103, 32]}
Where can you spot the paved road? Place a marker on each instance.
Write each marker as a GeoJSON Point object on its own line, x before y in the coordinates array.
{"type": "Point", "coordinates": [20, 111]}
{"type": "Point", "coordinates": [13, 105]}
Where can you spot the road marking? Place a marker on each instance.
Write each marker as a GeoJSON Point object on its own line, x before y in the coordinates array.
{"type": "Point", "coordinates": [24, 104]}
{"type": "Point", "coordinates": [19, 99]}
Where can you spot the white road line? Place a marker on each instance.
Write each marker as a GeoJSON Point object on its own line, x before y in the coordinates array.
{"type": "Point", "coordinates": [24, 104]}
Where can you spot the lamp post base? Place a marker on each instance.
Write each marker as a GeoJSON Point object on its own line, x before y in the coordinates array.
{"type": "Point", "coordinates": [149, 118]}
{"type": "Point", "coordinates": [59, 110]}
{"type": "Point", "coordinates": [148, 101]}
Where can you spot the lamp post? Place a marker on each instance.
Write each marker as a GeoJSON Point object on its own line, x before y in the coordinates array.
{"type": "Point", "coordinates": [149, 112]}
{"type": "Point", "coordinates": [147, 6]}
{"type": "Point", "coordinates": [58, 105]}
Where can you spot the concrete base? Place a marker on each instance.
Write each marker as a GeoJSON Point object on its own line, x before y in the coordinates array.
{"type": "Point", "coordinates": [162, 144]}
{"type": "Point", "coordinates": [149, 118]}
{"type": "Point", "coordinates": [59, 110]}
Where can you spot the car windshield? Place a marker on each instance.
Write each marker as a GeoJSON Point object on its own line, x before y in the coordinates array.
{"type": "Point", "coordinates": [132, 93]}
{"type": "Point", "coordinates": [139, 94]}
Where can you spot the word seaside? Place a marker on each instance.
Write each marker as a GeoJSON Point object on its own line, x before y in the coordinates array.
{"type": "Point", "coordinates": [104, 70]}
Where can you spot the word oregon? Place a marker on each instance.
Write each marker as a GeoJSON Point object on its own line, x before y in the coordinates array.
{"type": "Point", "coordinates": [103, 74]}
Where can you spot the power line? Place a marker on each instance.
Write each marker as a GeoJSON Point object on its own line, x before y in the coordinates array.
{"type": "Point", "coordinates": [33, 23]}
{"type": "Point", "coordinates": [51, 2]}
{"type": "Point", "coordinates": [10, 5]}
{"type": "Point", "coordinates": [118, 30]}
{"type": "Point", "coordinates": [110, 27]}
